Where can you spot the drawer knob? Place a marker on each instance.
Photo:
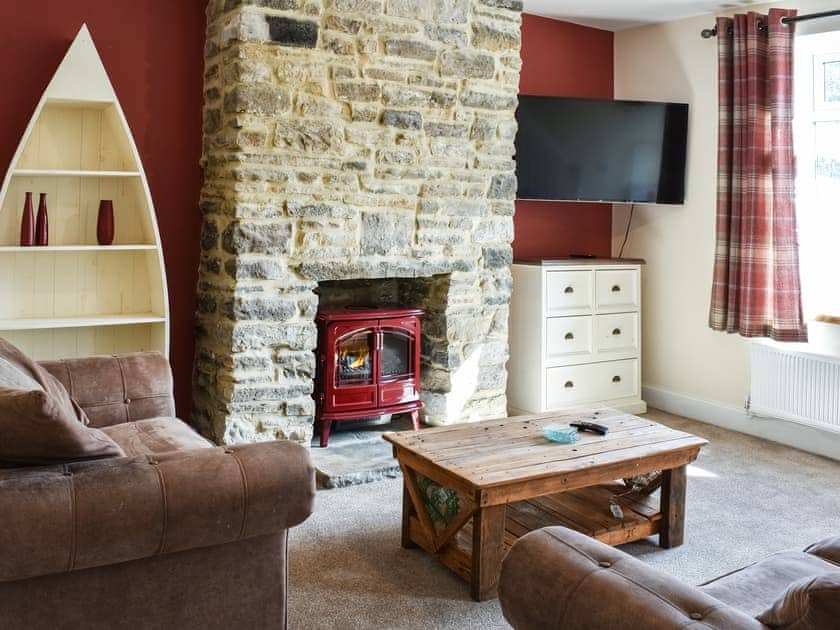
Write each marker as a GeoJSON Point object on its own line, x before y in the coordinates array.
{"type": "Point", "coordinates": [616, 379]}
{"type": "Point", "coordinates": [569, 384]}
{"type": "Point", "coordinates": [616, 331]}
{"type": "Point", "coordinates": [569, 290]}
{"type": "Point", "coordinates": [569, 336]}
{"type": "Point", "coordinates": [616, 288]}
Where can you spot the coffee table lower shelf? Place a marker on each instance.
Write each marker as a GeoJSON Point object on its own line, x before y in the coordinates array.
{"type": "Point", "coordinates": [586, 510]}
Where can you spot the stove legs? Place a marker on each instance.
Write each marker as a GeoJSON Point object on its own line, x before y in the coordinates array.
{"type": "Point", "coordinates": [324, 430]}
{"type": "Point", "coordinates": [323, 427]}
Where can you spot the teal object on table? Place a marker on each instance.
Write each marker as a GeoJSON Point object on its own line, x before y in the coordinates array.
{"type": "Point", "coordinates": [561, 433]}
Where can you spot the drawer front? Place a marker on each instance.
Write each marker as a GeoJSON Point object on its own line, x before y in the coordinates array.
{"type": "Point", "coordinates": [568, 292]}
{"type": "Point", "coordinates": [568, 337]}
{"type": "Point", "coordinates": [577, 384]}
{"type": "Point", "coordinates": [616, 289]}
{"type": "Point", "coordinates": [617, 333]}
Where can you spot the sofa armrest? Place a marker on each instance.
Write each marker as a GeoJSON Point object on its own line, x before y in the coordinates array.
{"type": "Point", "coordinates": [828, 549]}
{"type": "Point", "coordinates": [559, 578]}
{"type": "Point", "coordinates": [119, 388]}
{"type": "Point", "coordinates": [89, 514]}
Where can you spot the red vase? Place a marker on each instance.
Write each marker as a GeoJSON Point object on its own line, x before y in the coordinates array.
{"type": "Point", "coordinates": [105, 222]}
{"type": "Point", "coordinates": [27, 223]}
{"type": "Point", "coordinates": [42, 223]}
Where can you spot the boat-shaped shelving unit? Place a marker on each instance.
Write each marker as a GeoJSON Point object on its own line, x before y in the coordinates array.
{"type": "Point", "coordinates": [75, 297]}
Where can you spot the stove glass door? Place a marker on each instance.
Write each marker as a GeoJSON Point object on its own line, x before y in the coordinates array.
{"type": "Point", "coordinates": [395, 362]}
{"type": "Point", "coordinates": [355, 358]}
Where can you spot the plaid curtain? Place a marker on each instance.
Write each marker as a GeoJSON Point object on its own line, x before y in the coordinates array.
{"type": "Point", "coordinates": [756, 290]}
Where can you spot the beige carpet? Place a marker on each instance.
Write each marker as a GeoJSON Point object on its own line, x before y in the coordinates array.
{"type": "Point", "coordinates": [746, 498]}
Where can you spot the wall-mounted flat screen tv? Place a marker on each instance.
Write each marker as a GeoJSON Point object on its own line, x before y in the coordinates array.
{"type": "Point", "coordinates": [571, 149]}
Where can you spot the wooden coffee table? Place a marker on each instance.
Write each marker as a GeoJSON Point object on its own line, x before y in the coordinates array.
{"type": "Point", "coordinates": [471, 490]}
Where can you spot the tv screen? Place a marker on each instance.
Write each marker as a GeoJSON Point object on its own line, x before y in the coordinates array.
{"type": "Point", "coordinates": [570, 149]}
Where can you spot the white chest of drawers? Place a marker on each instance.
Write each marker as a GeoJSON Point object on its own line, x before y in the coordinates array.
{"type": "Point", "coordinates": [575, 335]}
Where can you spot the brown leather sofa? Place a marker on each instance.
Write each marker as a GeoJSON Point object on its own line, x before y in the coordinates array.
{"type": "Point", "coordinates": [179, 534]}
{"type": "Point", "coordinates": [559, 578]}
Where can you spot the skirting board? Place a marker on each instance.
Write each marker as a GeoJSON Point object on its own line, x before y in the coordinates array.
{"type": "Point", "coordinates": [823, 442]}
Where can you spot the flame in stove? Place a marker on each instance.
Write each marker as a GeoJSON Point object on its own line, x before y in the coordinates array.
{"type": "Point", "coordinates": [355, 356]}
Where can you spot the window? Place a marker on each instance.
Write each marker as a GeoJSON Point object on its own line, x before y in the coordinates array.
{"type": "Point", "coordinates": [817, 147]}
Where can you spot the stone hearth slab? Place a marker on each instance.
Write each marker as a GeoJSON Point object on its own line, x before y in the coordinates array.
{"type": "Point", "coordinates": [357, 456]}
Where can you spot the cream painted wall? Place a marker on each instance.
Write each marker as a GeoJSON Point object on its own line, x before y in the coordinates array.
{"type": "Point", "coordinates": [680, 353]}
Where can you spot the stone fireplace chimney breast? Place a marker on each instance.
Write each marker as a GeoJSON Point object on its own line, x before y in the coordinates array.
{"type": "Point", "coordinates": [353, 140]}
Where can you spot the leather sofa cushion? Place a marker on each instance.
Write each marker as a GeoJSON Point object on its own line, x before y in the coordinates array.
{"type": "Point", "coordinates": [43, 425]}
{"type": "Point", "coordinates": [155, 435]}
{"type": "Point", "coordinates": [119, 388]}
{"type": "Point", "coordinates": [756, 587]}
{"type": "Point", "coordinates": [808, 604]}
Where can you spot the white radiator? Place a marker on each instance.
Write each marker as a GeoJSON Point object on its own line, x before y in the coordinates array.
{"type": "Point", "coordinates": [795, 385]}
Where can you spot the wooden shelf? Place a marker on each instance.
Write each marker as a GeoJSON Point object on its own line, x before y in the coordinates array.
{"type": "Point", "coordinates": [585, 510]}
{"type": "Point", "coordinates": [81, 321]}
{"type": "Point", "coordinates": [588, 511]}
{"type": "Point", "coordinates": [81, 103]}
{"type": "Point", "coordinates": [15, 249]}
{"type": "Point", "coordinates": [48, 172]}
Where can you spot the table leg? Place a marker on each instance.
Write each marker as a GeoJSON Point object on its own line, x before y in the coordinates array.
{"type": "Point", "coordinates": [487, 551]}
{"type": "Point", "coordinates": [407, 512]}
{"type": "Point", "coordinates": [672, 506]}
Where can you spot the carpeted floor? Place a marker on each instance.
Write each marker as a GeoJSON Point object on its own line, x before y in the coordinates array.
{"type": "Point", "coordinates": [746, 498]}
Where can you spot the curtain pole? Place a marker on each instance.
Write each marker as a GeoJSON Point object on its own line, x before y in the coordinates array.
{"type": "Point", "coordinates": [706, 33]}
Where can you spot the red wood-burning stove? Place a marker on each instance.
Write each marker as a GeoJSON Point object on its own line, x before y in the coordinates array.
{"type": "Point", "coordinates": [368, 364]}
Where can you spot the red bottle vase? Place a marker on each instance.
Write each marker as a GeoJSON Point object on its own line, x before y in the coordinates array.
{"type": "Point", "coordinates": [27, 223]}
{"type": "Point", "coordinates": [105, 222]}
{"type": "Point", "coordinates": [42, 223]}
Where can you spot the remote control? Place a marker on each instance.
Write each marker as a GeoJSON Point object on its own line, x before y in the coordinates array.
{"type": "Point", "coordinates": [590, 426]}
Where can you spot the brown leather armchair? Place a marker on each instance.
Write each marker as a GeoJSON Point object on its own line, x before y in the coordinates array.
{"type": "Point", "coordinates": [559, 578]}
{"type": "Point", "coordinates": [178, 534]}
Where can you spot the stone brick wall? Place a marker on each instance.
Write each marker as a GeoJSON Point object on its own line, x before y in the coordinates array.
{"type": "Point", "coordinates": [353, 139]}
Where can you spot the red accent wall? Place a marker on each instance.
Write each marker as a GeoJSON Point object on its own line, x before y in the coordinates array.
{"type": "Point", "coordinates": [153, 52]}
{"type": "Point", "coordinates": [563, 59]}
